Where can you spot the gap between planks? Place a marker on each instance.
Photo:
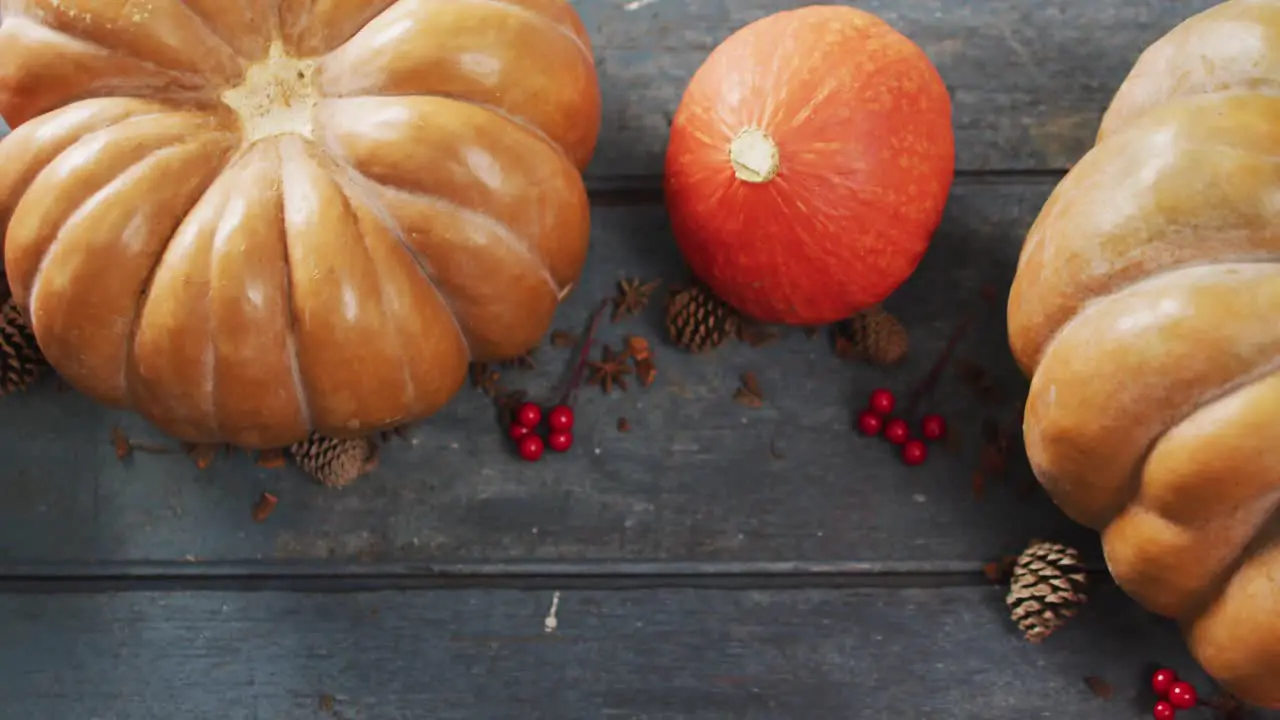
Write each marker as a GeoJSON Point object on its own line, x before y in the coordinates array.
{"type": "Point", "coordinates": [605, 575]}
{"type": "Point", "coordinates": [616, 191]}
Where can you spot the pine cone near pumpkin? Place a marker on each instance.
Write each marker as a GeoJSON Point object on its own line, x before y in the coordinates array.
{"type": "Point", "coordinates": [697, 320]}
{"type": "Point", "coordinates": [1047, 588]}
{"type": "Point", "coordinates": [21, 361]}
{"type": "Point", "coordinates": [335, 462]}
{"type": "Point", "coordinates": [873, 336]}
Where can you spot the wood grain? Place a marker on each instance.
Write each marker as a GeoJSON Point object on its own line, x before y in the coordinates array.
{"type": "Point", "coordinates": [1029, 80]}
{"type": "Point", "coordinates": [697, 478]}
{"type": "Point", "coordinates": [645, 654]}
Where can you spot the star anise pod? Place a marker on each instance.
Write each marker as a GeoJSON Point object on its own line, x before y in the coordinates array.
{"type": "Point", "coordinates": [633, 296]}
{"type": "Point", "coordinates": [610, 370]}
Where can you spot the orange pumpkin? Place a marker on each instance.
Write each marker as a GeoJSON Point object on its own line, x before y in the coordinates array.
{"type": "Point", "coordinates": [249, 219]}
{"type": "Point", "coordinates": [1145, 309]}
{"type": "Point", "coordinates": [809, 163]}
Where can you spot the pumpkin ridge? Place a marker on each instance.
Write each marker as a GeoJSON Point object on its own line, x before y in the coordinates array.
{"type": "Point", "coordinates": [345, 186]}
{"type": "Point", "coordinates": [1102, 294]}
{"type": "Point", "coordinates": [120, 393]}
{"type": "Point", "coordinates": [135, 322]}
{"type": "Point", "coordinates": [1059, 442]}
{"type": "Point", "coordinates": [84, 42]}
{"type": "Point", "coordinates": [205, 54]}
{"type": "Point", "coordinates": [524, 246]}
{"type": "Point", "coordinates": [1191, 407]}
{"type": "Point", "coordinates": [25, 288]}
{"type": "Point", "coordinates": [538, 17]}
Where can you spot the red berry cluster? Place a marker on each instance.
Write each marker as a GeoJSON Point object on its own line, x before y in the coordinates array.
{"type": "Point", "coordinates": [1174, 694]}
{"type": "Point", "coordinates": [530, 444]}
{"type": "Point", "coordinates": [877, 420]}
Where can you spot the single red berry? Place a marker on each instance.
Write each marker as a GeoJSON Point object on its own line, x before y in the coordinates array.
{"type": "Point", "coordinates": [560, 418]}
{"type": "Point", "coordinates": [531, 447]}
{"type": "Point", "coordinates": [1163, 711]}
{"type": "Point", "coordinates": [882, 402]}
{"type": "Point", "coordinates": [869, 423]}
{"type": "Point", "coordinates": [518, 431]}
{"type": "Point", "coordinates": [933, 427]}
{"type": "Point", "coordinates": [529, 415]}
{"type": "Point", "coordinates": [1162, 680]}
{"type": "Point", "coordinates": [1182, 695]}
{"type": "Point", "coordinates": [560, 440]}
{"type": "Point", "coordinates": [896, 431]}
{"type": "Point", "coordinates": [914, 452]}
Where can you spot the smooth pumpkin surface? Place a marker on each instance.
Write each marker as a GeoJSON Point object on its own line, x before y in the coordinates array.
{"type": "Point", "coordinates": [1145, 310]}
{"type": "Point", "coordinates": [249, 219]}
{"type": "Point", "coordinates": [809, 163]}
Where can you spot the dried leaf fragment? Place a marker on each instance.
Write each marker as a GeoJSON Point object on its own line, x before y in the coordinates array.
{"type": "Point", "coordinates": [998, 571]}
{"type": "Point", "coordinates": [264, 507]}
{"type": "Point", "coordinates": [638, 348]}
{"type": "Point", "coordinates": [270, 459]}
{"type": "Point", "coordinates": [121, 442]}
{"type": "Point", "coordinates": [755, 334]}
{"type": "Point", "coordinates": [563, 339]}
{"type": "Point", "coordinates": [202, 454]}
{"type": "Point", "coordinates": [1098, 686]}
{"type": "Point", "coordinates": [749, 394]}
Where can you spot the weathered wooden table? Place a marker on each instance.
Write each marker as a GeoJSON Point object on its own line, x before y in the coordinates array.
{"type": "Point", "coordinates": [716, 561]}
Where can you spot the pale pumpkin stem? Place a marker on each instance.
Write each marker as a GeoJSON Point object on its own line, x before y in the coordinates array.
{"type": "Point", "coordinates": [754, 156]}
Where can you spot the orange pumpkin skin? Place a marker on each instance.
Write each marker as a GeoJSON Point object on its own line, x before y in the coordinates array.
{"type": "Point", "coordinates": [1145, 309]}
{"type": "Point", "coordinates": [809, 163]}
{"type": "Point", "coordinates": [250, 219]}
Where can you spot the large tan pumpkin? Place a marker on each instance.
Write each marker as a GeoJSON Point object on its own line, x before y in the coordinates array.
{"type": "Point", "coordinates": [248, 219]}
{"type": "Point", "coordinates": [1146, 308]}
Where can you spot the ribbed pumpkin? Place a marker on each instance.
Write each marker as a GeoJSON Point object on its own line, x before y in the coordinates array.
{"type": "Point", "coordinates": [1146, 308]}
{"type": "Point", "coordinates": [251, 219]}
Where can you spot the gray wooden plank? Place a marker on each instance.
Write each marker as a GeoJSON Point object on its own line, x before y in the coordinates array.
{"type": "Point", "coordinates": [698, 478]}
{"type": "Point", "coordinates": [1029, 80]}
{"type": "Point", "coordinates": [644, 654]}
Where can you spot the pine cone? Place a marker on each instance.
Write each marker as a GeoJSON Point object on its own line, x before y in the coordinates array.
{"type": "Point", "coordinates": [697, 320]}
{"type": "Point", "coordinates": [1047, 587]}
{"type": "Point", "coordinates": [872, 335]}
{"type": "Point", "coordinates": [21, 361]}
{"type": "Point", "coordinates": [335, 462]}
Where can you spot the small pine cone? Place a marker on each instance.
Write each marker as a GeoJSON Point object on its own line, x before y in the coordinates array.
{"type": "Point", "coordinates": [21, 361]}
{"type": "Point", "coordinates": [335, 462]}
{"type": "Point", "coordinates": [1047, 587]}
{"type": "Point", "coordinates": [697, 320]}
{"type": "Point", "coordinates": [872, 335]}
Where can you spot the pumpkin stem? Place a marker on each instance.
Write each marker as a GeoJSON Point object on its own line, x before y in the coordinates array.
{"type": "Point", "coordinates": [754, 156]}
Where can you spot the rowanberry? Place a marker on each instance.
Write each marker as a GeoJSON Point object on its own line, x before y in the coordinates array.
{"type": "Point", "coordinates": [933, 427]}
{"type": "Point", "coordinates": [914, 452]}
{"type": "Point", "coordinates": [896, 431]}
{"type": "Point", "coordinates": [1162, 680]}
{"type": "Point", "coordinates": [529, 415]}
{"type": "Point", "coordinates": [1182, 695]}
{"type": "Point", "coordinates": [518, 431]}
{"type": "Point", "coordinates": [560, 440]}
{"type": "Point", "coordinates": [1163, 711]}
{"type": "Point", "coordinates": [869, 423]}
{"type": "Point", "coordinates": [882, 402]}
{"type": "Point", "coordinates": [560, 418]}
{"type": "Point", "coordinates": [531, 447]}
